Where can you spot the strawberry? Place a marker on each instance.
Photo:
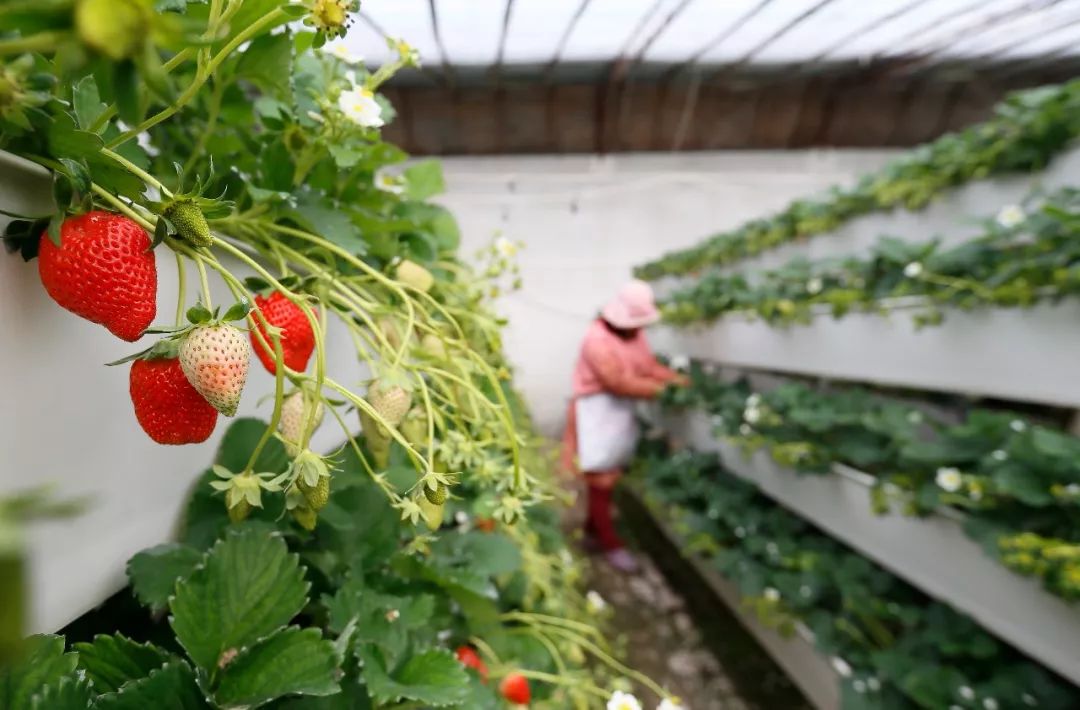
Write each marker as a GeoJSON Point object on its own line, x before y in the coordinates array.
{"type": "Point", "coordinates": [318, 495]}
{"type": "Point", "coordinates": [515, 688]}
{"type": "Point", "coordinates": [485, 524]}
{"type": "Point", "coordinates": [168, 408]}
{"type": "Point", "coordinates": [215, 360]}
{"type": "Point", "coordinates": [297, 338]}
{"type": "Point", "coordinates": [437, 495]}
{"type": "Point", "coordinates": [469, 658]}
{"type": "Point", "coordinates": [414, 427]}
{"type": "Point", "coordinates": [433, 514]}
{"type": "Point", "coordinates": [413, 275]}
{"type": "Point", "coordinates": [378, 440]}
{"type": "Point", "coordinates": [306, 517]}
{"type": "Point", "coordinates": [294, 414]}
{"type": "Point", "coordinates": [390, 401]}
{"type": "Point", "coordinates": [190, 222]}
{"type": "Point", "coordinates": [104, 271]}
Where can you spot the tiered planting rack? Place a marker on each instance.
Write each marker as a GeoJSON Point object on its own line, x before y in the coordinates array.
{"type": "Point", "coordinates": [1022, 355]}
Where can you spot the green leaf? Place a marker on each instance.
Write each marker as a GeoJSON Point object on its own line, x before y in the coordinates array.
{"type": "Point", "coordinates": [424, 180]}
{"type": "Point", "coordinates": [240, 440]}
{"type": "Point", "coordinates": [43, 663]}
{"type": "Point", "coordinates": [154, 572]}
{"type": "Point", "coordinates": [330, 222]}
{"type": "Point", "coordinates": [248, 587]}
{"type": "Point", "coordinates": [67, 141]}
{"type": "Point", "coordinates": [290, 662]}
{"type": "Point", "coordinates": [267, 63]}
{"type": "Point", "coordinates": [237, 311]}
{"type": "Point", "coordinates": [112, 661]}
{"type": "Point", "coordinates": [385, 620]}
{"type": "Point", "coordinates": [172, 686]}
{"type": "Point", "coordinates": [126, 89]}
{"type": "Point", "coordinates": [199, 314]}
{"type": "Point", "coordinates": [70, 693]}
{"type": "Point", "coordinates": [432, 678]}
{"type": "Point", "coordinates": [87, 102]}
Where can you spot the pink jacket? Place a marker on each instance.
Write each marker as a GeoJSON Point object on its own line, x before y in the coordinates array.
{"type": "Point", "coordinates": [608, 363]}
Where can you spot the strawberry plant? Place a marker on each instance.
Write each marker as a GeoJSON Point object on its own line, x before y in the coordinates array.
{"type": "Point", "coordinates": [1017, 480]}
{"type": "Point", "coordinates": [891, 646]}
{"type": "Point", "coordinates": [1028, 129]}
{"type": "Point", "coordinates": [1026, 256]}
{"type": "Point", "coordinates": [344, 575]}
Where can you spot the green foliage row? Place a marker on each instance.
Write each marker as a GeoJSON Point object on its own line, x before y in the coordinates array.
{"type": "Point", "coordinates": [361, 612]}
{"type": "Point", "coordinates": [1018, 481]}
{"type": "Point", "coordinates": [1027, 130]}
{"type": "Point", "coordinates": [1031, 257]}
{"type": "Point", "coordinates": [892, 646]}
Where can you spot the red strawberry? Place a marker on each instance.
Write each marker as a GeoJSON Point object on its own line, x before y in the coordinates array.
{"type": "Point", "coordinates": [297, 338]}
{"type": "Point", "coordinates": [104, 271]}
{"type": "Point", "coordinates": [471, 659]}
{"type": "Point", "coordinates": [215, 361]}
{"type": "Point", "coordinates": [515, 688]}
{"type": "Point", "coordinates": [167, 406]}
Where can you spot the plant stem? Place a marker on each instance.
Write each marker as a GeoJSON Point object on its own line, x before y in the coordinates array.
{"type": "Point", "coordinates": [204, 282]}
{"type": "Point", "coordinates": [181, 280]}
{"type": "Point", "coordinates": [41, 42]}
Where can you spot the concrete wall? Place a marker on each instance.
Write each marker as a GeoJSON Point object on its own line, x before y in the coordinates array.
{"type": "Point", "coordinates": [586, 221]}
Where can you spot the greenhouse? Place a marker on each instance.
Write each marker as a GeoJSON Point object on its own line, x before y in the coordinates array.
{"type": "Point", "coordinates": [553, 354]}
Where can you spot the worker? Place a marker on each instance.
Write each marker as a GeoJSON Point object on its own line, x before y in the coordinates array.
{"type": "Point", "coordinates": [615, 369]}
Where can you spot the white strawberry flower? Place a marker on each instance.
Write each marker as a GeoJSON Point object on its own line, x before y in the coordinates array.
{"type": "Point", "coordinates": [360, 107]}
{"type": "Point", "coordinates": [814, 286]}
{"type": "Point", "coordinates": [1017, 425]}
{"type": "Point", "coordinates": [505, 247]}
{"type": "Point", "coordinates": [990, 704]}
{"type": "Point", "coordinates": [1009, 216]}
{"type": "Point", "coordinates": [341, 51]}
{"type": "Point", "coordinates": [594, 602]}
{"type": "Point", "coordinates": [949, 479]}
{"type": "Point", "coordinates": [389, 183]}
{"type": "Point", "coordinates": [913, 270]}
{"type": "Point", "coordinates": [999, 455]}
{"type": "Point", "coordinates": [752, 415]}
{"type": "Point", "coordinates": [859, 686]}
{"type": "Point", "coordinates": [771, 594]}
{"type": "Point", "coordinates": [1029, 700]}
{"type": "Point", "coordinates": [841, 666]}
{"type": "Point", "coordinates": [623, 701]}
{"type": "Point", "coordinates": [873, 684]}
{"type": "Point", "coordinates": [745, 430]}
{"type": "Point", "coordinates": [671, 704]}
{"type": "Point", "coordinates": [966, 692]}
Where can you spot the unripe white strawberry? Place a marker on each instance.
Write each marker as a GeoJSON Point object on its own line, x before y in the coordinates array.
{"type": "Point", "coordinates": [294, 415]}
{"type": "Point", "coordinates": [390, 401]}
{"type": "Point", "coordinates": [215, 358]}
{"type": "Point", "coordinates": [412, 274]}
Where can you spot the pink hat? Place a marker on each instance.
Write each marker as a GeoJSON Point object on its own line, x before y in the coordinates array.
{"type": "Point", "coordinates": [634, 307]}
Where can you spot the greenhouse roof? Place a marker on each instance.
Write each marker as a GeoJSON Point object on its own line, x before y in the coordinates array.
{"type": "Point", "coordinates": [560, 37]}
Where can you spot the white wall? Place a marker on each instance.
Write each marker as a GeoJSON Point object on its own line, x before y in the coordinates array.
{"type": "Point", "coordinates": [588, 221]}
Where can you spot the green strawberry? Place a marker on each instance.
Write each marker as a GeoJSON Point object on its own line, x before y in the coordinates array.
{"type": "Point", "coordinates": [317, 495]}
{"type": "Point", "coordinates": [189, 221]}
{"type": "Point", "coordinates": [215, 360]}
{"type": "Point", "coordinates": [414, 428]}
{"type": "Point", "coordinates": [433, 513]}
{"type": "Point", "coordinates": [306, 517]}
{"type": "Point", "coordinates": [437, 495]}
{"type": "Point", "coordinates": [240, 511]}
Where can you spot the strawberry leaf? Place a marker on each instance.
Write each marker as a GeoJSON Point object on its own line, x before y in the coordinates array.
{"type": "Point", "coordinates": [112, 661]}
{"type": "Point", "coordinates": [70, 693]}
{"type": "Point", "coordinates": [292, 661]}
{"type": "Point", "coordinates": [155, 571]}
{"type": "Point", "coordinates": [199, 314]}
{"type": "Point", "coordinates": [247, 587]}
{"type": "Point", "coordinates": [42, 663]}
{"type": "Point", "coordinates": [432, 678]}
{"type": "Point", "coordinates": [238, 311]}
{"type": "Point", "coordinates": [174, 681]}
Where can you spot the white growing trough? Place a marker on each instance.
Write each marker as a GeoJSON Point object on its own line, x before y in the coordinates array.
{"type": "Point", "coordinates": [932, 553]}
{"type": "Point", "coordinates": [1023, 354]}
